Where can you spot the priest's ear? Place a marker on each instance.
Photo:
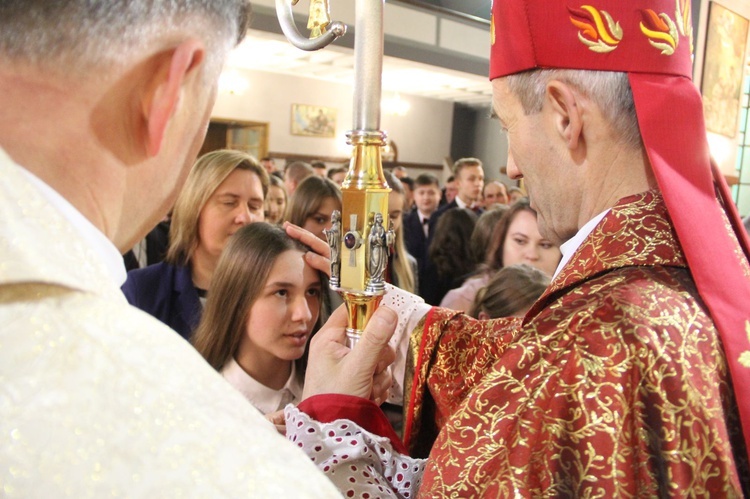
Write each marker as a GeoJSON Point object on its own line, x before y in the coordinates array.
{"type": "Point", "coordinates": [567, 111]}
{"type": "Point", "coordinates": [164, 90]}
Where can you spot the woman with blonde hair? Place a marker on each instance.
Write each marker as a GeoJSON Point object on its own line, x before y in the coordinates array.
{"type": "Point", "coordinates": [224, 191]}
{"type": "Point", "coordinates": [402, 267]}
{"type": "Point", "coordinates": [260, 313]}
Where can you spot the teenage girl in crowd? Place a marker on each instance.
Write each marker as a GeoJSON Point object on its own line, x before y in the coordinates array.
{"type": "Point", "coordinates": [460, 298]}
{"type": "Point", "coordinates": [481, 237]}
{"type": "Point", "coordinates": [310, 207]}
{"type": "Point", "coordinates": [402, 267]}
{"type": "Point", "coordinates": [510, 293]}
{"type": "Point", "coordinates": [276, 201]}
{"type": "Point", "coordinates": [261, 310]}
{"type": "Point", "coordinates": [516, 239]}
{"type": "Point", "coordinates": [224, 191]}
{"type": "Point", "coordinates": [449, 250]}
{"type": "Point", "coordinates": [312, 204]}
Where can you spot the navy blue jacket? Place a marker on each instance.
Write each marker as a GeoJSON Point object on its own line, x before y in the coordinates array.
{"type": "Point", "coordinates": [166, 291]}
{"type": "Point", "coordinates": [418, 246]}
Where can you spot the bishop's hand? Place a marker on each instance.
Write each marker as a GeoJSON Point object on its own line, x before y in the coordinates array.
{"type": "Point", "coordinates": [361, 371]}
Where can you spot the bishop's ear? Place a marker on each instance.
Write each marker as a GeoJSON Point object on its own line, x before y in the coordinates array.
{"type": "Point", "coordinates": [161, 98]}
{"type": "Point", "coordinates": [565, 104]}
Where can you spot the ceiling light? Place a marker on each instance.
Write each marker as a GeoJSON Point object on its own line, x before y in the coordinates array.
{"type": "Point", "coordinates": [232, 82]}
{"type": "Point", "coordinates": [395, 105]}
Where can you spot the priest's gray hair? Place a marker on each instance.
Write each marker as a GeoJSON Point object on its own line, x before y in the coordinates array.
{"type": "Point", "coordinates": [609, 90]}
{"type": "Point", "coordinates": [79, 35]}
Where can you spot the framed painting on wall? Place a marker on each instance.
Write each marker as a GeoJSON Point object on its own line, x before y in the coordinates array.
{"type": "Point", "coordinates": [313, 121]}
{"type": "Point", "coordinates": [248, 136]}
{"type": "Point", "coordinates": [723, 69]}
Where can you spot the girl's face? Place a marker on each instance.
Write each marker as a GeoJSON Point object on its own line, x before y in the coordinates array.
{"type": "Point", "coordinates": [395, 209]}
{"type": "Point", "coordinates": [275, 204]}
{"type": "Point", "coordinates": [281, 319]}
{"type": "Point", "coordinates": [524, 244]}
{"type": "Point", "coordinates": [321, 219]}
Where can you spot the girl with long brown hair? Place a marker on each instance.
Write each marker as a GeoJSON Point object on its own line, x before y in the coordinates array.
{"type": "Point", "coordinates": [259, 316]}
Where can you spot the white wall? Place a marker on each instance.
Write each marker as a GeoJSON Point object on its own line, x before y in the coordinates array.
{"type": "Point", "coordinates": [422, 136]}
{"type": "Point", "coordinates": [491, 146]}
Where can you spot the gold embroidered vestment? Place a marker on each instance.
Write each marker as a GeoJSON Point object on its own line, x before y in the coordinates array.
{"type": "Point", "coordinates": [615, 385]}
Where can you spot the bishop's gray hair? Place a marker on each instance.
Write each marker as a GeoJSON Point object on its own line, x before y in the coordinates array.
{"type": "Point", "coordinates": [609, 90]}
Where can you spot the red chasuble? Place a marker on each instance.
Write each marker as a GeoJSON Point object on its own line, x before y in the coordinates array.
{"type": "Point", "coordinates": [616, 385]}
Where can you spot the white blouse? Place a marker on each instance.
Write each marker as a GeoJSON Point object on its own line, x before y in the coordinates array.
{"type": "Point", "coordinates": [265, 399]}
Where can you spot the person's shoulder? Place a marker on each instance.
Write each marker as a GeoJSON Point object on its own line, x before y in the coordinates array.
{"type": "Point", "coordinates": [628, 314]}
{"type": "Point", "coordinates": [410, 258]}
{"type": "Point", "coordinates": [149, 279]}
{"type": "Point", "coordinates": [443, 209]}
{"type": "Point", "coordinates": [412, 221]}
{"type": "Point", "coordinates": [461, 297]}
{"type": "Point", "coordinates": [152, 272]}
{"type": "Point", "coordinates": [450, 299]}
{"type": "Point", "coordinates": [635, 297]}
{"type": "Point", "coordinates": [122, 370]}
{"type": "Point", "coordinates": [410, 216]}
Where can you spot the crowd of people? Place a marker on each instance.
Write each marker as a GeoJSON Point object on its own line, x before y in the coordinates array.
{"type": "Point", "coordinates": [259, 349]}
{"type": "Point", "coordinates": [577, 338]}
{"type": "Point", "coordinates": [453, 256]}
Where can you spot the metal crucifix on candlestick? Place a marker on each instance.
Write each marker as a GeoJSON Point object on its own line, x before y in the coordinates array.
{"type": "Point", "coordinates": [360, 244]}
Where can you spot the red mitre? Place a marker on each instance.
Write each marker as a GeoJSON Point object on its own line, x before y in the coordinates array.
{"type": "Point", "coordinates": [651, 40]}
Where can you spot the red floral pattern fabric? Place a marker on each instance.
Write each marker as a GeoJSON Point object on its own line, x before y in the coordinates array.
{"type": "Point", "coordinates": [616, 384]}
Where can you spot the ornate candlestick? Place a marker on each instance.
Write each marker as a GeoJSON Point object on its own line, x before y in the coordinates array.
{"type": "Point", "coordinates": [360, 244]}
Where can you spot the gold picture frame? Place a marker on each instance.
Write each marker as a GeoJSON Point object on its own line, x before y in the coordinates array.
{"type": "Point", "coordinates": [313, 121]}
{"type": "Point", "coordinates": [723, 69]}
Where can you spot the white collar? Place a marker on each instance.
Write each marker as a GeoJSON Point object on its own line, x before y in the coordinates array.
{"type": "Point", "coordinates": [422, 216]}
{"type": "Point", "coordinates": [460, 202]}
{"type": "Point", "coordinates": [97, 241]}
{"type": "Point", "coordinates": [265, 399]}
{"type": "Point", "coordinates": [569, 247]}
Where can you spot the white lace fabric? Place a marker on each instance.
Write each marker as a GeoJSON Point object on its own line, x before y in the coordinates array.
{"type": "Point", "coordinates": [359, 463]}
{"type": "Point", "coordinates": [410, 309]}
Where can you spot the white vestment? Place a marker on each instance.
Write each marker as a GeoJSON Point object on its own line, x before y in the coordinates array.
{"type": "Point", "coordinates": [98, 399]}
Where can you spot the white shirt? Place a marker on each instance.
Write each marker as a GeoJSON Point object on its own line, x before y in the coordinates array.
{"type": "Point", "coordinates": [264, 399]}
{"type": "Point", "coordinates": [569, 247]}
{"type": "Point", "coordinates": [461, 204]}
{"type": "Point", "coordinates": [425, 221]}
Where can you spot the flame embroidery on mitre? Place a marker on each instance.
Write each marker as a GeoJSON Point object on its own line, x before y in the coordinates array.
{"type": "Point", "coordinates": [684, 20]}
{"type": "Point", "coordinates": [593, 33]}
{"type": "Point", "coordinates": [745, 357]}
{"type": "Point", "coordinates": [660, 30]}
{"type": "Point", "coordinates": [492, 28]}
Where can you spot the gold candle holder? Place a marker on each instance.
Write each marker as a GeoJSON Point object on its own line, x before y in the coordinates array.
{"type": "Point", "coordinates": [360, 244]}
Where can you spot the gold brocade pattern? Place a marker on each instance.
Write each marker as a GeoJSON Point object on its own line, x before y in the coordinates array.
{"type": "Point", "coordinates": [741, 257]}
{"type": "Point", "coordinates": [449, 377]}
{"type": "Point", "coordinates": [615, 386]}
{"type": "Point", "coordinates": [415, 340]}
